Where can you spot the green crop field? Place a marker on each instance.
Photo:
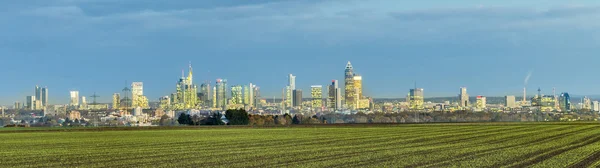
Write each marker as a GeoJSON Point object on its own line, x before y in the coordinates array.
{"type": "Point", "coordinates": [422, 145]}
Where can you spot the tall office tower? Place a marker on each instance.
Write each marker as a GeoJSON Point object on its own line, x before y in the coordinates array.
{"type": "Point", "coordinates": [214, 97]}
{"type": "Point", "coordinates": [45, 96]}
{"type": "Point", "coordinates": [510, 101]}
{"type": "Point", "coordinates": [186, 96]}
{"type": "Point", "coordinates": [137, 95]}
{"type": "Point", "coordinates": [349, 86]}
{"type": "Point", "coordinates": [316, 93]}
{"type": "Point", "coordinates": [221, 93]}
{"type": "Point", "coordinates": [297, 98]}
{"type": "Point", "coordinates": [18, 106]}
{"type": "Point", "coordinates": [249, 99]}
{"type": "Point", "coordinates": [246, 95]}
{"type": "Point", "coordinates": [236, 95]}
{"type": "Point", "coordinates": [256, 97]}
{"type": "Point", "coordinates": [290, 90]}
{"type": "Point", "coordinates": [587, 103]}
{"type": "Point", "coordinates": [205, 91]}
{"type": "Point", "coordinates": [564, 102]}
{"type": "Point", "coordinates": [74, 99]}
{"type": "Point", "coordinates": [481, 102]}
{"type": "Point", "coordinates": [83, 104]}
{"type": "Point", "coordinates": [288, 98]}
{"type": "Point", "coordinates": [358, 86]}
{"type": "Point", "coordinates": [38, 92]}
{"type": "Point", "coordinates": [595, 106]}
{"type": "Point", "coordinates": [30, 103]}
{"type": "Point", "coordinates": [463, 97]}
{"type": "Point", "coordinates": [416, 98]}
{"type": "Point", "coordinates": [332, 98]}
{"type": "Point", "coordinates": [116, 101]}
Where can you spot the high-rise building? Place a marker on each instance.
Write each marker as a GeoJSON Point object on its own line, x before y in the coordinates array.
{"type": "Point", "coordinates": [186, 94]}
{"type": "Point", "coordinates": [481, 102]}
{"type": "Point", "coordinates": [358, 86]}
{"type": "Point", "coordinates": [510, 101]}
{"type": "Point", "coordinates": [45, 96]}
{"type": "Point", "coordinates": [249, 98]}
{"type": "Point", "coordinates": [334, 100]}
{"type": "Point", "coordinates": [595, 106]}
{"type": "Point", "coordinates": [18, 105]}
{"type": "Point", "coordinates": [290, 90]}
{"type": "Point", "coordinates": [316, 93]}
{"type": "Point", "coordinates": [41, 94]}
{"type": "Point", "coordinates": [587, 103]}
{"type": "Point", "coordinates": [137, 95]}
{"type": "Point", "coordinates": [564, 102]}
{"type": "Point", "coordinates": [416, 97]}
{"type": "Point", "coordinates": [236, 95]}
{"type": "Point", "coordinates": [38, 92]}
{"type": "Point", "coordinates": [83, 104]}
{"type": "Point", "coordinates": [205, 91]}
{"type": "Point", "coordinates": [116, 101]}
{"type": "Point", "coordinates": [349, 86]}
{"type": "Point", "coordinates": [37, 105]}
{"type": "Point", "coordinates": [221, 93]}
{"type": "Point", "coordinates": [30, 103]}
{"type": "Point", "coordinates": [214, 97]}
{"type": "Point", "coordinates": [463, 97]}
{"type": "Point", "coordinates": [137, 89]}
{"type": "Point", "coordinates": [256, 97]}
{"type": "Point", "coordinates": [297, 98]}
{"type": "Point", "coordinates": [74, 99]}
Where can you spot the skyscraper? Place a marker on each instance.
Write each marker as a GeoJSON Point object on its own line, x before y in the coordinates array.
{"type": "Point", "coordinates": [45, 96]}
{"type": "Point", "coordinates": [349, 86]}
{"type": "Point", "coordinates": [137, 95]}
{"type": "Point", "coordinates": [74, 99]}
{"type": "Point", "coordinates": [38, 93]}
{"type": "Point", "coordinates": [297, 98]}
{"type": "Point", "coordinates": [221, 93]}
{"type": "Point", "coordinates": [463, 97]}
{"type": "Point", "coordinates": [30, 102]}
{"type": "Point", "coordinates": [290, 89]}
{"type": "Point", "coordinates": [510, 101]}
{"type": "Point", "coordinates": [416, 98]}
{"type": "Point", "coordinates": [116, 101]}
{"type": "Point", "coordinates": [334, 100]}
{"type": "Point", "coordinates": [186, 95]}
{"type": "Point", "coordinates": [256, 97]}
{"type": "Point", "coordinates": [236, 95]}
{"type": "Point", "coordinates": [565, 102]}
{"type": "Point", "coordinates": [316, 93]}
{"type": "Point", "coordinates": [205, 91]}
{"type": "Point", "coordinates": [481, 102]}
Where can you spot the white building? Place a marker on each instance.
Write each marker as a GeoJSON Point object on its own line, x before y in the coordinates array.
{"type": "Point", "coordinates": [74, 98]}
{"type": "Point", "coordinates": [595, 106]}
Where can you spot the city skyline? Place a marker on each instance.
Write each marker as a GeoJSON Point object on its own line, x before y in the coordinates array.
{"type": "Point", "coordinates": [77, 45]}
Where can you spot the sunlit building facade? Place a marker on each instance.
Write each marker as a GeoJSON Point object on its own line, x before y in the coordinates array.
{"type": "Point", "coordinates": [349, 90]}
{"type": "Point", "coordinates": [416, 99]}
{"type": "Point", "coordinates": [236, 95]}
{"type": "Point", "coordinates": [316, 93]}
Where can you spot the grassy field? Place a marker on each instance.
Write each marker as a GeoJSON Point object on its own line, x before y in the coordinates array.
{"type": "Point", "coordinates": [423, 145]}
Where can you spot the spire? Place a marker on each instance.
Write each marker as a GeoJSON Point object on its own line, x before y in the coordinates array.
{"type": "Point", "coordinates": [349, 65]}
{"type": "Point", "coordinates": [190, 73]}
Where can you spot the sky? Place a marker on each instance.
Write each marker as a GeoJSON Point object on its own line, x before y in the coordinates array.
{"type": "Point", "coordinates": [488, 46]}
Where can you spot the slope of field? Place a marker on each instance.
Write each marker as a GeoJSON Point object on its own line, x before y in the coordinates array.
{"type": "Point", "coordinates": [439, 145]}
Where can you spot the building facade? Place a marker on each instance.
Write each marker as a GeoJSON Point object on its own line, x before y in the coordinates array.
{"type": "Point", "coordinates": [510, 101]}
{"type": "Point", "coordinates": [297, 98]}
{"type": "Point", "coordinates": [316, 93]}
{"type": "Point", "coordinates": [463, 97]}
{"type": "Point", "coordinates": [74, 102]}
{"type": "Point", "coordinates": [416, 97]}
{"type": "Point", "coordinates": [349, 90]}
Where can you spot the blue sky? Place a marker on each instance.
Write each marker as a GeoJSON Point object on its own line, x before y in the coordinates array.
{"type": "Point", "coordinates": [488, 46]}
